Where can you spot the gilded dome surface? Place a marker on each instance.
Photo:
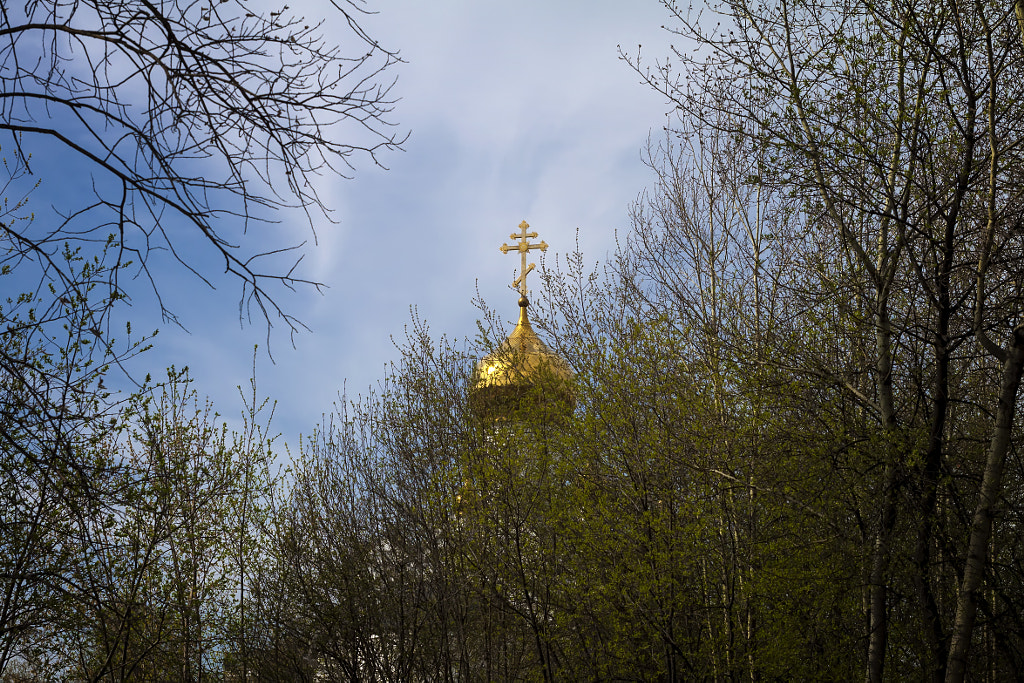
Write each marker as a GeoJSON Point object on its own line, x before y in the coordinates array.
{"type": "Point", "coordinates": [521, 374]}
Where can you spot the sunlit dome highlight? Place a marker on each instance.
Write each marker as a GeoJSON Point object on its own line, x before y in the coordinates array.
{"type": "Point", "coordinates": [522, 375]}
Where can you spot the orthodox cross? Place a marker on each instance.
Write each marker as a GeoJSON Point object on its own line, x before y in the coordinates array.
{"type": "Point", "coordinates": [523, 247]}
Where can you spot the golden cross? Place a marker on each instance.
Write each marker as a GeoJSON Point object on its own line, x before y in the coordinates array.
{"type": "Point", "coordinates": [523, 247]}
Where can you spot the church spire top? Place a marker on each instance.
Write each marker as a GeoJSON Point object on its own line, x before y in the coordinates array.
{"type": "Point", "coordinates": [522, 375]}
{"type": "Point", "coordinates": [523, 247]}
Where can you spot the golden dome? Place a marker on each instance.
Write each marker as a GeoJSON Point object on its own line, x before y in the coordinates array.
{"type": "Point", "coordinates": [522, 374]}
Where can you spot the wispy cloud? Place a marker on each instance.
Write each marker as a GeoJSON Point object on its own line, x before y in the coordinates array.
{"type": "Point", "coordinates": [517, 111]}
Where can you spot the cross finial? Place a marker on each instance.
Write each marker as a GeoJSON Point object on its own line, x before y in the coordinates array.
{"type": "Point", "coordinates": [523, 247]}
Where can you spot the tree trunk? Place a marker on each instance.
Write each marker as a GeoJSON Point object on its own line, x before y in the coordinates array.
{"type": "Point", "coordinates": [981, 526]}
{"type": "Point", "coordinates": [878, 615]}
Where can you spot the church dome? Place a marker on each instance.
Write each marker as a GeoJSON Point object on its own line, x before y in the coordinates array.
{"type": "Point", "coordinates": [522, 376]}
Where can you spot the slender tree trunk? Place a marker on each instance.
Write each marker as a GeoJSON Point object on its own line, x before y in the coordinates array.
{"type": "Point", "coordinates": [878, 615]}
{"type": "Point", "coordinates": [932, 464]}
{"type": "Point", "coordinates": [981, 526]}
{"type": "Point", "coordinates": [929, 480]}
{"type": "Point", "coordinates": [878, 625]}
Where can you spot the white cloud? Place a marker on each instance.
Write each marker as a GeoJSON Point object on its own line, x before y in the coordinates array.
{"type": "Point", "coordinates": [517, 111]}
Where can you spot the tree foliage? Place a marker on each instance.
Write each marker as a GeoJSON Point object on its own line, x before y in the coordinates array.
{"type": "Point", "coordinates": [792, 455]}
{"type": "Point", "coordinates": [146, 573]}
{"type": "Point", "coordinates": [182, 129]}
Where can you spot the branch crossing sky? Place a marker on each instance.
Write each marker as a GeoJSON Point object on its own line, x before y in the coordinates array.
{"type": "Point", "coordinates": [517, 111]}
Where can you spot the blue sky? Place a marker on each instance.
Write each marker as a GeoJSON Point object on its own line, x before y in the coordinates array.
{"type": "Point", "coordinates": [516, 111]}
